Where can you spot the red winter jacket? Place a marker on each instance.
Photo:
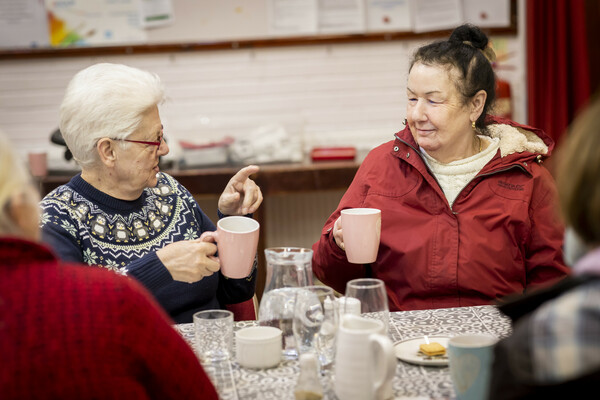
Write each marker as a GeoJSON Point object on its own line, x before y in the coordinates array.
{"type": "Point", "coordinates": [501, 236]}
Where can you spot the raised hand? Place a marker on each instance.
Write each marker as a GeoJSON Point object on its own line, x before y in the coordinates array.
{"type": "Point", "coordinates": [241, 195]}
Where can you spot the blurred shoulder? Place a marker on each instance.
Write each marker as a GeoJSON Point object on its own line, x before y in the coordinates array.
{"type": "Point", "coordinates": [567, 329]}
{"type": "Point", "coordinates": [100, 281]}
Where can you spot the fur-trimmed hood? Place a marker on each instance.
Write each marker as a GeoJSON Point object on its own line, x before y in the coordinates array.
{"type": "Point", "coordinates": [520, 141]}
{"type": "Point", "coordinates": [516, 139]}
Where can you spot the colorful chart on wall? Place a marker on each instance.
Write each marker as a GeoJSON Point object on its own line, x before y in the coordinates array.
{"type": "Point", "coordinates": [94, 22]}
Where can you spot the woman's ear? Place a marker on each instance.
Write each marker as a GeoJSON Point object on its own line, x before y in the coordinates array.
{"type": "Point", "coordinates": [106, 151]}
{"type": "Point", "coordinates": [24, 211]}
{"type": "Point", "coordinates": [477, 102]}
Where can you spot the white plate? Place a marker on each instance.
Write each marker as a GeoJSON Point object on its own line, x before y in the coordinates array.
{"type": "Point", "coordinates": [408, 350]}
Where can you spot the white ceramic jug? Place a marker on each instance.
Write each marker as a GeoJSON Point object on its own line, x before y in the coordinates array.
{"type": "Point", "coordinates": [364, 360]}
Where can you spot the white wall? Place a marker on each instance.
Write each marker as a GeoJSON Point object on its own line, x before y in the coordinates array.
{"type": "Point", "coordinates": [347, 94]}
{"type": "Point", "coordinates": [343, 94]}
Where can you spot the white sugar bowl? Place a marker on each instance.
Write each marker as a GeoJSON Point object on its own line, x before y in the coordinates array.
{"type": "Point", "coordinates": [258, 346]}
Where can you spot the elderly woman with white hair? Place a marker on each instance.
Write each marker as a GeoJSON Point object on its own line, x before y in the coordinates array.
{"type": "Point", "coordinates": [121, 212]}
{"type": "Point", "coordinates": [78, 333]}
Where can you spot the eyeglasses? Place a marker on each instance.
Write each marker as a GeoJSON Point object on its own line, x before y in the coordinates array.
{"type": "Point", "coordinates": [157, 144]}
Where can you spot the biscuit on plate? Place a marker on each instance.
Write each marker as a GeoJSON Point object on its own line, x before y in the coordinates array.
{"type": "Point", "coordinates": [432, 349]}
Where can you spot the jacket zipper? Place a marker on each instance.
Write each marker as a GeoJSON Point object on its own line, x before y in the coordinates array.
{"type": "Point", "coordinates": [477, 176]}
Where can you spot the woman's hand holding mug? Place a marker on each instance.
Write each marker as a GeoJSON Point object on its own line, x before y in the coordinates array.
{"type": "Point", "coordinates": [189, 260]}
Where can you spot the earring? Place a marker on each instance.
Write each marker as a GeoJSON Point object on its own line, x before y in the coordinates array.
{"type": "Point", "coordinates": [473, 125]}
{"type": "Point", "coordinates": [404, 122]}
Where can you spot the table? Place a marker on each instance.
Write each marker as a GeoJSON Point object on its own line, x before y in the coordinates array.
{"type": "Point", "coordinates": [411, 381]}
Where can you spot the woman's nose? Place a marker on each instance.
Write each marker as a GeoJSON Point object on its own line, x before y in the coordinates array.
{"type": "Point", "coordinates": [418, 112]}
{"type": "Point", "coordinates": [163, 149]}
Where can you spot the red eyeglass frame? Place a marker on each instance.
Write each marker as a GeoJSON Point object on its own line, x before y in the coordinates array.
{"type": "Point", "coordinates": [157, 144]}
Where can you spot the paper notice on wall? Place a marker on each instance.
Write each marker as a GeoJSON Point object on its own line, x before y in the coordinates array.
{"type": "Point", "coordinates": [389, 15]}
{"type": "Point", "coordinates": [292, 17]}
{"type": "Point", "coordinates": [23, 24]}
{"type": "Point", "coordinates": [342, 16]}
{"type": "Point", "coordinates": [155, 13]}
{"type": "Point", "coordinates": [487, 13]}
{"type": "Point", "coordinates": [94, 22]}
{"type": "Point", "coordinates": [436, 15]}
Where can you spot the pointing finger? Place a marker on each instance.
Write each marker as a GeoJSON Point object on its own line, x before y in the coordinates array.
{"type": "Point", "coordinates": [245, 173]}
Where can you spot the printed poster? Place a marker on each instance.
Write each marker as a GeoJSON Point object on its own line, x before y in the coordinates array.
{"type": "Point", "coordinates": [94, 22]}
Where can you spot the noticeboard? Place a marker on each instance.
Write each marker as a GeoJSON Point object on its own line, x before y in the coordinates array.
{"type": "Point", "coordinates": [54, 28]}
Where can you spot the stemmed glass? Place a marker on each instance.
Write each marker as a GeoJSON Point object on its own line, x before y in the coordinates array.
{"type": "Point", "coordinates": [372, 296]}
{"type": "Point", "coordinates": [315, 322]}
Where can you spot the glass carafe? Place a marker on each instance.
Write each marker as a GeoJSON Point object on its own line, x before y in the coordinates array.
{"type": "Point", "coordinates": [288, 268]}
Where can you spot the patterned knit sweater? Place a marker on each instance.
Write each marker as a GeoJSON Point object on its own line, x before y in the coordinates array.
{"type": "Point", "coordinates": [83, 224]}
{"type": "Point", "coordinates": [72, 332]}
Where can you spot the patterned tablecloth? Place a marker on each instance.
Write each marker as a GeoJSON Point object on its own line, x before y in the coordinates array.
{"type": "Point", "coordinates": [411, 381]}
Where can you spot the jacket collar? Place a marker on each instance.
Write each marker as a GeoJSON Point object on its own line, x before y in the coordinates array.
{"type": "Point", "coordinates": [514, 137]}
{"type": "Point", "coordinates": [519, 144]}
{"type": "Point", "coordinates": [19, 252]}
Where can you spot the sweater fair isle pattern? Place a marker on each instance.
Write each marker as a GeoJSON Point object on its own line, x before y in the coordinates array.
{"type": "Point", "coordinates": [86, 225]}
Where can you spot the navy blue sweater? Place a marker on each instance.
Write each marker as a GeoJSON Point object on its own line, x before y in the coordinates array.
{"type": "Point", "coordinates": [83, 224]}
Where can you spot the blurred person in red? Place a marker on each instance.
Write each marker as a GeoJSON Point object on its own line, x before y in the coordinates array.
{"type": "Point", "coordinates": [69, 332]}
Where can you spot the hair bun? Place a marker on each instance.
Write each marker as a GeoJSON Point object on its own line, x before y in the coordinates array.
{"type": "Point", "coordinates": [473, 36]}
{"type": "Point", "coordinates": [469, 33]}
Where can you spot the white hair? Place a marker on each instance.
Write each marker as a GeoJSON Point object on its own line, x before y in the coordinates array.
{"type": "Point", "coordinates": [105, 100]}
{"type": "Point", "coordinates": [14, 179]}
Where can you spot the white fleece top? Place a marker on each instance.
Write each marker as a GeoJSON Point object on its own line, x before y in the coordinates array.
{"type": "Point", "coordinates": [454, 176]}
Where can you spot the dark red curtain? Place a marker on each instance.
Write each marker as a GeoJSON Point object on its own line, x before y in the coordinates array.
{"type": "Point", "coordinates": [558, 76]}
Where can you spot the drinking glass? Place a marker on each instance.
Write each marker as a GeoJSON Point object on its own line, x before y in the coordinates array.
{"type": "Point", "coordinates": [288, 268]}
{"type": "Point", "coordinates": [213, 330]}
{"type": "Point", "coordinates": [372, 296]}
{"type": "Point", "coordinates": [315, 322]}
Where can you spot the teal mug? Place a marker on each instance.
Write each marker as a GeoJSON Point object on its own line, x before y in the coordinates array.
{"type": "Point", "coordinates": [470, 358]}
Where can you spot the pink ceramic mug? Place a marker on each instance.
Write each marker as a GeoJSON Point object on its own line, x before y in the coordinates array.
{"type": "Point", "coordinates": [237, 241]}
{"type": "Point", "coordinates": [361, 229]}
{"type": "Point", "coordinates": [38, 163]}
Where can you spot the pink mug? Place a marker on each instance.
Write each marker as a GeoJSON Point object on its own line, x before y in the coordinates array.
{"type": "Point", "coordinates": [38, 163]}
{"type": "Point", "coordinates": [237, 241]}
{"type": "Point", "coordinates": [361, 230]}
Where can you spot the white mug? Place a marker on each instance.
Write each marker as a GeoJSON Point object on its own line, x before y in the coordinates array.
{"type": "Point", "coordinates": [365, 362]}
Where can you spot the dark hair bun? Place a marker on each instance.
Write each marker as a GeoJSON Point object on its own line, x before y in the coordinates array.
{"type": "Point", "coordinates": [471, 34]}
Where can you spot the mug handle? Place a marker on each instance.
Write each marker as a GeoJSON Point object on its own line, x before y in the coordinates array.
{"type": "Point", "coordinates": [211, 237]}
{"type": "Point", "coordinates": [384, 364]}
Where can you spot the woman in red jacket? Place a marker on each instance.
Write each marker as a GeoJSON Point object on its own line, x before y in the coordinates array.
{"type": "Point", "coordinates": [468, 211]}
{"type": "Point", "coordinates": [70, 332]}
